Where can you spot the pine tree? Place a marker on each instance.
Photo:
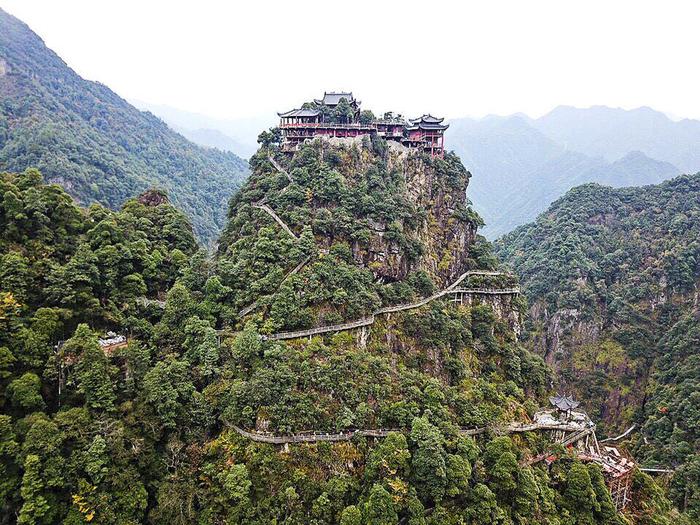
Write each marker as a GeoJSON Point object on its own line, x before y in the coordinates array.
{"type": "Point", "coordinates": [35, 508]}
{"type": "Point", "coordinates": [94, 381]}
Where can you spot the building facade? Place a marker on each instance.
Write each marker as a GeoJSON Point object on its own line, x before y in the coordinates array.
{"type": "Point", "coordinates": [338, 114]}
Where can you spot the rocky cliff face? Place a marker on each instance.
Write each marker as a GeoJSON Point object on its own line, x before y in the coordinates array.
{"type": "Point", "coordinates": [348, 226]}
{"type": "Point", "coordinates": [608, 272]}
{"type": "Point", "coordinates": [434, 230]}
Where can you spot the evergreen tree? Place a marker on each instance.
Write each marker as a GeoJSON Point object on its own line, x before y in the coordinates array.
{"type": "Point", "coordinates": [93, 373]}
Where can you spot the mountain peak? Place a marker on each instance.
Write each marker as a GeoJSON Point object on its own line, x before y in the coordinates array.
{"type": "Point", "coordinates": [99, 147]}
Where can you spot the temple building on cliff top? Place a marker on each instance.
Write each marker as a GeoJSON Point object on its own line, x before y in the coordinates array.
{"type": "Point", "coordinates": [339, 115]}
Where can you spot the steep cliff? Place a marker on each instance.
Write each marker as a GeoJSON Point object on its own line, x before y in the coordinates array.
{"type": "Point", "coordinates": [613, 279]}
{"type": "Point", "coordinates": [373, 224]}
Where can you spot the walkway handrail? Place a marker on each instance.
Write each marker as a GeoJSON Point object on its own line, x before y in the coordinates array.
{"type": "Point", "coordinates": [366, 321]}
{"type": "Point", "coordinates": [311, 436]}
{"type": "Point", "coordinates": [578, 435]}
{"type": "Point", "coordinates": [630, 429]}
{"type": "Point", "coordinates": [321, 329]}
{"type": "Point", "coordinates": [279, 168]}
{"type": "Point", "coordinates": [271, 213]}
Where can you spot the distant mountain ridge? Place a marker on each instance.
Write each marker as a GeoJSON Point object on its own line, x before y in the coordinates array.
{"type": "Point", "coordinates": [237, 135]}
{"type": "Point", "coordinates": [521, 165]}
{"type": "Point", "coordinates": [613, 132]}
{"type": "Point", "coordinates": [83, 136]}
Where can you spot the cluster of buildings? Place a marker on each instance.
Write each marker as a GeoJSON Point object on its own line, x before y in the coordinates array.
{"type": "Point", "coordinates": [319, 119]}
{"type": "Point", "coordinates": [574, 429]}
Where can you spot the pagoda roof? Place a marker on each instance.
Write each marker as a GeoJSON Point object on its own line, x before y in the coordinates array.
{"type": "Point", "coordinates": [564, 403]}
{"type": "Point", "coordinates": [300, 113]}
{"type": "Point", "coordinates": [333, 98]}
{"type": "Point", "coordinates": [428, 125]}
{"type": "Point", "coordinates": [426, 119]}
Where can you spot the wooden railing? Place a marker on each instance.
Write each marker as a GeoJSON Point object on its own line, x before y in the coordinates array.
{"type": "Point", "coordinates": [328, 125]}
{"type": "Point", "coordinates": [321, 330]}
{"type": "Point", "coordinates": [312, 437]}
{"type": "Point", "coordinates": [366, 321]}
{"type": "Point", "coordinates": [279, 168]}
{"type": "Point", "coordinates": [145, 301]}
{"type": "Point", "coordinates": [271, 213]}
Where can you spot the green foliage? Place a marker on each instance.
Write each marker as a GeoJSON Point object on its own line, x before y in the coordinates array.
{"type": "Point", "coordinates": [379, 509]}
{"type": "Point", "coordinates": [626, 261]}
{"type": "Point", "coordinates": [25, 392]}
{"type": "Point", "coordinates": [92, 371]}
{"type": "Point", "coordinates": [83, 136]}
{"type": "Point", "coordinates": [428, 463]}
{"type": "Point", "coordinates": [143, 433]}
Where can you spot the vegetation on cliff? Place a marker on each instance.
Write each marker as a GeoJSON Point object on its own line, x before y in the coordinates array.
{"type": "Point", "coordinates": [143, 433]}
{"type": "Point", "coordinates": [612, 276]}
{"type": "Point", "coordinates": [97, 146]}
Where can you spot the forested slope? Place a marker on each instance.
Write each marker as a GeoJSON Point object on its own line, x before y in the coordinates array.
{"type": "Point", "coordinates": [612, 277]}
{"type": "Point", "coordinates": [144, 433]}
{"type": "Point", "coordinates": [83, 136]}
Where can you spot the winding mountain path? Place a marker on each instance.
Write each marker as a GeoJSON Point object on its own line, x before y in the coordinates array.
{"type": "Point", "coordinates": [279, 168]}
{"type": "Point", "coordinates": [271, 213]}
{"type": "Point", "coordinates": [315, 437]}
{"type": "Point", "coordinates": [453, 289]}
{"type": "Point", "coordinates": [295, 270]}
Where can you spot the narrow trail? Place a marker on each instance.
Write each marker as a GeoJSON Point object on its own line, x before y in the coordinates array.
{"type": "Point", "coordinates": [271, 213]}
{"type": "Point", "coordinates": [314, 437]}
{"type": "Point", "coordinates": [145, 301]}
{"type": "Point", "coordinates": [625, 433]}
{"type": "Point", "coordinates": [260, 205]}
{"type": "Point", "coordinates": [279, 168]}
{"type": "Point", "coordinates": [366, 321]}
{"type": "Point", "coordinates": [295, 270]}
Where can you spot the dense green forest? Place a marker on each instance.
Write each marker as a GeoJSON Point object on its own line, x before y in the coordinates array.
{"type": "Point", "coordinates": [101, 149]}
{"type": "Point", "coordinates": [612, 277]}
{"type": "Point", "coordinates": [144, 433]}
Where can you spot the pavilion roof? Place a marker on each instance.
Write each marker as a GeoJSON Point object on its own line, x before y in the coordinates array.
{"type": "Point", "coordinates": [564, 403]}
{"type": "Point", "coordinates": [300, 113]}
{"type": "Point", "coordinates": [426, 119]}
{"type": "Point", "coordinates": [333, 98]}
{"type": "Point", "coordinates": [428, 125]}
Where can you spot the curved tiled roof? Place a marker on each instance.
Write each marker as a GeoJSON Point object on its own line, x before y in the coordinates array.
{"type": "Point", "coordinates": [333, 98]}
{"type": "Point", "coordinates": [564, 402]}
{"type": "Point", "coordinates": [300, 113]}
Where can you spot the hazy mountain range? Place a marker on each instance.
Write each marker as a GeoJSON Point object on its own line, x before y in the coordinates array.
{"type": "Point", "coordinates": [82, 135]}
{"type": "Point", "coordinates": [236, 135]}
{"type": "Point", "coordinates": [520, 165]}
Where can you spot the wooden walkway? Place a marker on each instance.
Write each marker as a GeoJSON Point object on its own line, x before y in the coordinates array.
{"type": "Point", "coordinates": [271, 213]}
{"type": "Point", "coordinates": [315, 437]}
{"type": "Point", "coordinates": [279, 168]}
{"type": "Point", "coordinates": [295, 270]}
{"type": "Point", "coordinates": [453, 289]}
{"type": "Point", "coordinates": [145, 301]}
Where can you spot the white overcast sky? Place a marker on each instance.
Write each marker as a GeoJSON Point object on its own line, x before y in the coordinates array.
{"type": "Point", "coordinates": [453, 58]}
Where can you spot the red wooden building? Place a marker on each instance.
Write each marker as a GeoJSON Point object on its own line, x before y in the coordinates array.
{"type": "Point", "coordinates": [427, 132]}
{"type": "Point", "coordinates": [338, 115]}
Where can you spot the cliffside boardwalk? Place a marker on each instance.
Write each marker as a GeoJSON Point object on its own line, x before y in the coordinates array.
{"type": "Point", "coordinates": [568, 428]}
{"type": "Point", "coordinates": [271, 213]}
{"type": "Point", "coordinates": [453, 289]}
